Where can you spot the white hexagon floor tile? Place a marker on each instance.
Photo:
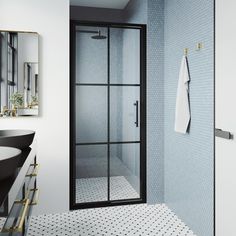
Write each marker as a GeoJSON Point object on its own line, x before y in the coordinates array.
{"type": "Point", "coordinates": [95, 189]}
{"type": "Point", "coordinates": [131, 220]}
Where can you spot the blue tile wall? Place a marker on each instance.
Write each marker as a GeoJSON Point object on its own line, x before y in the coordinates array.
{"type": "Point", "coordinates": [155, 98]}
{"type": "Point", "coordinates": [189, 158]}
{"type": "Point", "coordinates": [151, 12]}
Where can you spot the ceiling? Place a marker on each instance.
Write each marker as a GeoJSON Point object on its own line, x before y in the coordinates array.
{"type": "Point", "coordinates": [115, 4]}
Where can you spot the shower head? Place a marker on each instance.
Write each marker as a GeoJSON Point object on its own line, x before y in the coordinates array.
{"type": "Point", "coordinates": [99, 36]}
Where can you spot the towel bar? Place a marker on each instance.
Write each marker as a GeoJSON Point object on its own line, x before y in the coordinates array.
{"type": "Point", "coordinates": [223, 134]}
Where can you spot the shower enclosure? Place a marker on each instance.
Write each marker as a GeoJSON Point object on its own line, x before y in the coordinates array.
{"type": "Point", "coordinates": [108, 114]}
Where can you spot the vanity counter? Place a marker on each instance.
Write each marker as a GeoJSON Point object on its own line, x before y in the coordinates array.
{"type": "Point", "coordinates": [10, 187]}
{"type": "Point", "coordinates": [18, 195]}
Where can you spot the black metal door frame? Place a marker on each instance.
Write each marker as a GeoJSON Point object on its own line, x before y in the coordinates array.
{"type": "Point", "coordinates": [73, 144]}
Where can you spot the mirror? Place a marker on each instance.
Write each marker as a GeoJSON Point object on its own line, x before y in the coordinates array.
{"type": "Point", "coordinates": [19, 77]}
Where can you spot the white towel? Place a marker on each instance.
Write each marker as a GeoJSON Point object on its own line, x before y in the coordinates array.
{"type": "Point", "coordinates": [182, 110]}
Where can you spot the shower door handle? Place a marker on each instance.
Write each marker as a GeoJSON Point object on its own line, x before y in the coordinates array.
{"type": "Point", "coordinates": [136, 122]}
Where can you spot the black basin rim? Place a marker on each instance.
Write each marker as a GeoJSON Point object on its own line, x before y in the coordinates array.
{"type": "Point", "coordinates": [17, 134]}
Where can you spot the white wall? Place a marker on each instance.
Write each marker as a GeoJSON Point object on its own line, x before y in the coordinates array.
{"type": "Point", "coordinates": [51, 20]}
{"type": "Point", "coordinates": [225, 117]}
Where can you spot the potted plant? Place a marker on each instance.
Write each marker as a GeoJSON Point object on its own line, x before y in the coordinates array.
{"type": "Point", "coordinates": [34, 101]}
{"type": "Point", "coordinates": [17, 100]}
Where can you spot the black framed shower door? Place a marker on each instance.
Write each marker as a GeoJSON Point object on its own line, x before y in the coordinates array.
{"type": "Point", "coordinates": [107, 114]}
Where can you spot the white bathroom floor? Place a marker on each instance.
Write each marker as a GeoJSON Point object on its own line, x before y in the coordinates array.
{"type": "Point", "coordinates": [95, 189]}
{"type": "Point", "coordinates": [2, 221]}
{"type": "Point", "coordinates": [132, 220]}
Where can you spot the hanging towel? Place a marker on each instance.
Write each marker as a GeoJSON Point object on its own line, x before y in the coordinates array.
{"type": "Point", "coordinates": [182, 110]}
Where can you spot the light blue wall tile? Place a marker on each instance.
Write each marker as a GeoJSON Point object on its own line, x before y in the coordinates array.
{"type": "Point", "coordinates": [189, 158]}
{"type": "Point", "coordinates": [151, 12]}
{"type": "Point", "coordinates": [155, 101]}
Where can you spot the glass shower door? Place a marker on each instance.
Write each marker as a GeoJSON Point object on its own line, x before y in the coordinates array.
{"type": "Point", "coordinates": [124, 114]}
{"type": "Point", "coordinates": [91, 184]}
{"type": "Point", "coordinates": [109, 125]}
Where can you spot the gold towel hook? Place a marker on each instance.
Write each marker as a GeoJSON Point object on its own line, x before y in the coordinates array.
{"type": "Point", "coordinates": [199, 46]}
{"type": "Point", "coordinates": [186, 52]}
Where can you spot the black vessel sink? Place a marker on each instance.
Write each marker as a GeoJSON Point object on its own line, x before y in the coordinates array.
{"type": "Point", "coordinates": [21, 139]}
{"type": "Point", "coordinates": [9, 160]}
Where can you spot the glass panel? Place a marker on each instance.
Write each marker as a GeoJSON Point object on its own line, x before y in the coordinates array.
{"type": "Point", "coordinates": [124, 108]}
{"type": "Point", "coordinates": [91, 173]}
{"type": "Point", "coordinates": [124, 171]}
{"type": "Point", "coordinates": [91, 114]}
{"type": "Point", "coordinates": [125, 56]}
{"type": "Point", "coordinates": [91, 54]}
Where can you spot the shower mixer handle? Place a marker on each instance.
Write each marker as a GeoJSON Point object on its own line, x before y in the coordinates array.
{"type": "Point", "coordinates": [136, 122]}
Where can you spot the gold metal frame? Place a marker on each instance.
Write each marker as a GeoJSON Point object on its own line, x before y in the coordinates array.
{"type": "Point", "coordinates": [35, 199]}
{"type": "Point", "coordinates": [19, 31]}
{"type": "Point", "coordinates": [199, 46]}
{"type": "Point", "coordinates": [19, 227]}
{"type": "Point", "coordinates": [39, 45]}
{"type": "Point", "coordinates": [35, 170]}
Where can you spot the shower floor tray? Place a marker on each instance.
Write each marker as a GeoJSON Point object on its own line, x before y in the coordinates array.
{"type": "Point", "coordinates": [95, 189]}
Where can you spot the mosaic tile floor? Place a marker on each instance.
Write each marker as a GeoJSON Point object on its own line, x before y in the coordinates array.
{"type": "Point", "coordinates": [132, 220]}
{"type": "Point", "coordinates": [2, 221]}
{"type": "Point", "coordinates": [95, 189]}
